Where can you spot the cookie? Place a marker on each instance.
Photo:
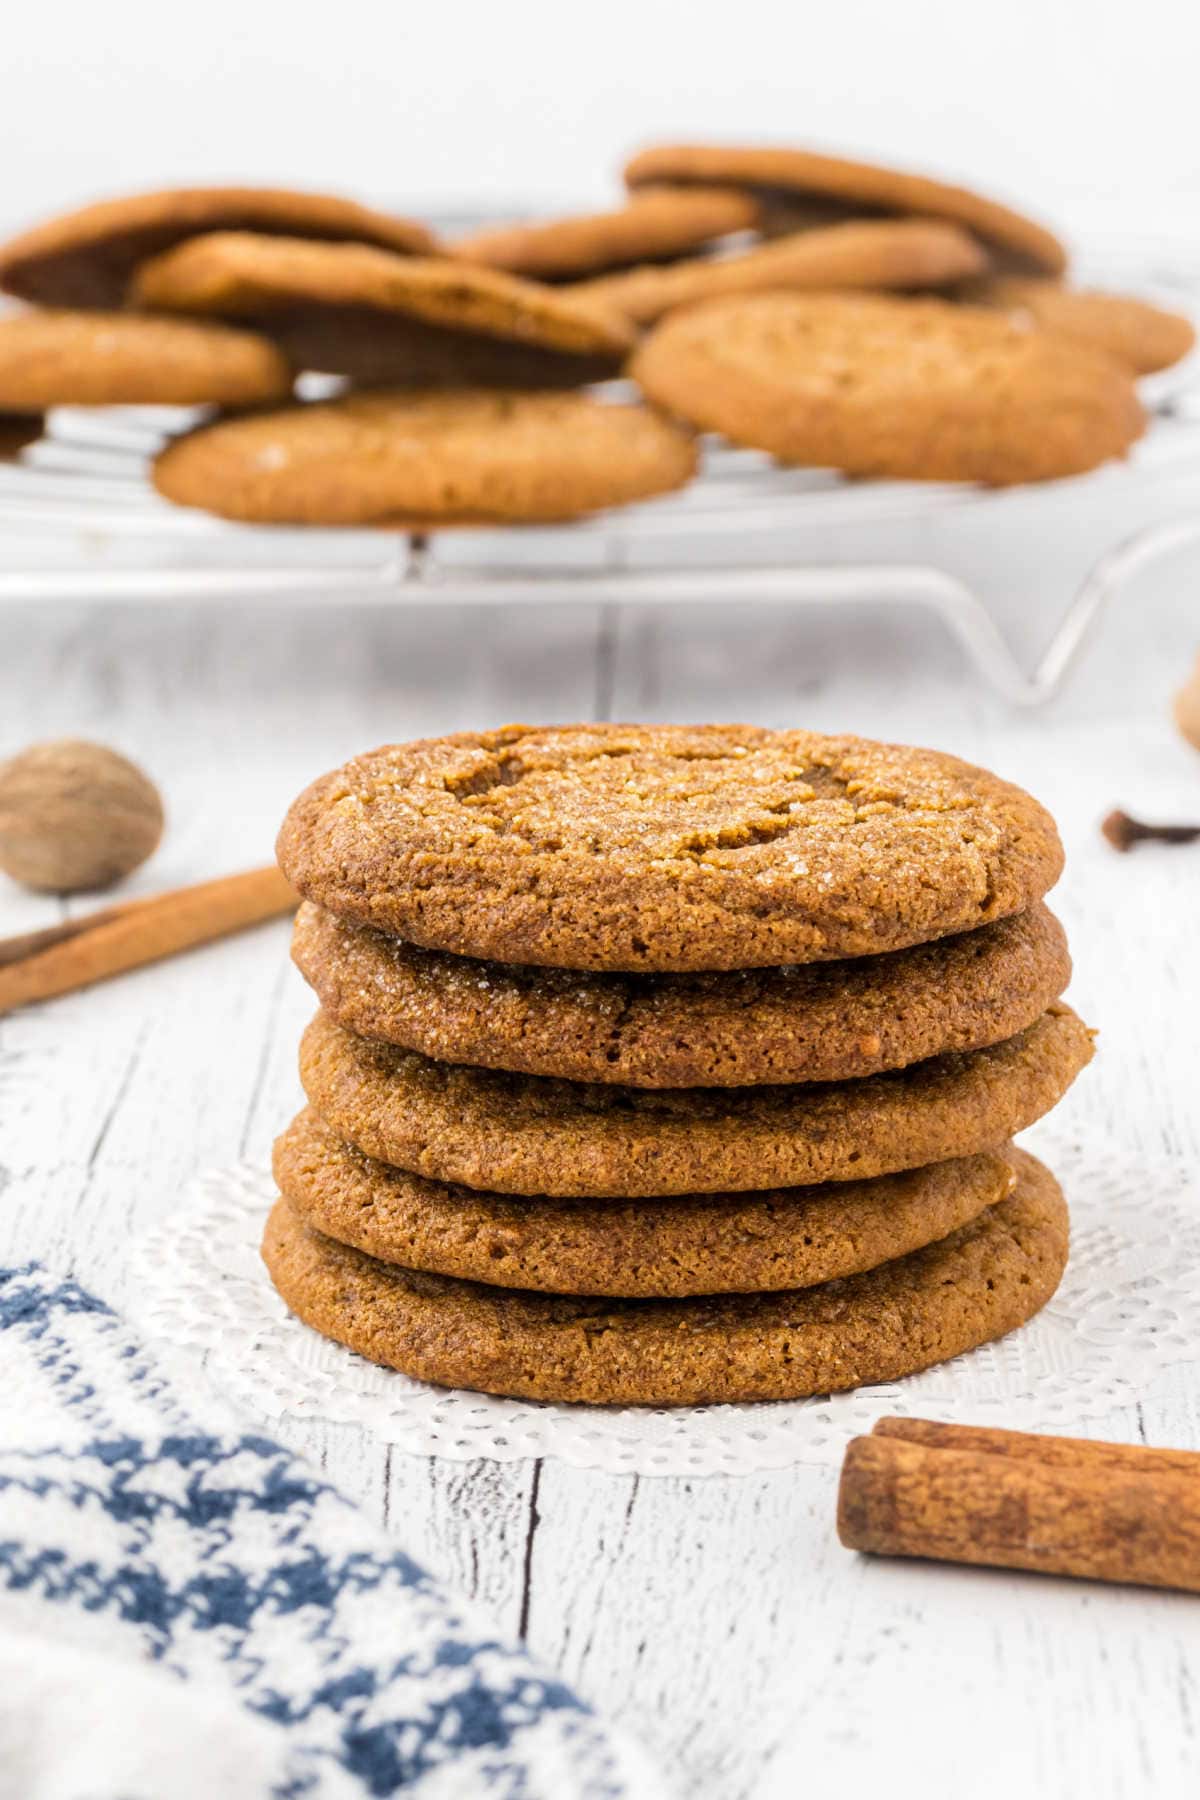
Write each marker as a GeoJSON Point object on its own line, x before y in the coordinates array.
{"type": "Point", "coordinates": [376, 458]}
{"type": "Point", "coordinates": [921, 390]}
{"type": "Point", "coordinates": [701, 1244]}
{"type": "Point", "coordinates": [528, 1134]}
{"type": "Point", "coordinates": [85, 258]}
{"type": "Point", "coordinates": [971, 1287]}
{"type": "Point", "coordinates": [1146, 338]}
{"type": "Point", "coordinates": [654, 223]}
{"type": "Point", "coordinates": [805, 1022]}
{"type": "Point", "coordinates": [374, 349]}
{"type": "Point", "coordinates": [871, 253]}
{"type": "Point", "coordinates": [17, 430]}
{"type": "Point", "coordinates": [666, 846]}
{"type": "Point", "coordinates": [858, 186]}
{"type": "Point", "coordinates": [241, 276]}
{"type": "Point", "coordinates": [50, 358]}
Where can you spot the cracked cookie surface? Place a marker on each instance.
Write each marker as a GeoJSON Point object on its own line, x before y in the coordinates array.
{"type": "Point", "coordinates": [804, 1022]}
{"type": "Point", "coordinates": [611, 847]}
{"type": "Point", "coordinates": [693, 1244]}
{"type": "Point", "coordinates": [982, 1281]}
{"type": "Point", "coordinates": [529, 1134]}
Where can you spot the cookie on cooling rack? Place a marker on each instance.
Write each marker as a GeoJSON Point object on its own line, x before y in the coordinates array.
{"type": "Point", "coordinates": [85, 258]}
{"type": "Point", "coordinates": [56, 358]}
{"type": "Point", "coordinates": [979, 1283]}
{"type": "Point", "coordinates": [877, 385]}
{"type": "Point", "coordinates": [336, 304]}
{"type": "Point", "coordinates": [869, 253]}
{"type": "Point", "coordinates": [822, 182]}
{"type": "Point", "coordinates": [1146, 338]}
{"type": "Point", "coordinates": [373, 349]}
{"type": "Point", "coordinates": [653, 224]}
{"type": "Point", "coordinates": [444, 458]}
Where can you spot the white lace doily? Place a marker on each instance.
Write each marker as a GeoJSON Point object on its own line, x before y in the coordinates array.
{"type": "Point", "coordinates": [1128, 1308]}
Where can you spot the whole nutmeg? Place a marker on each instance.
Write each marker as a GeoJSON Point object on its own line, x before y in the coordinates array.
{"type": "Point", "coordinates": [75, 815]}
{"type": "Point", "coordinates": [1187, 707]}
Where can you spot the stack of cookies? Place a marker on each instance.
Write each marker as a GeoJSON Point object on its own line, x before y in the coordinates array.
{"type": "Point", "coordinates": [671, 1064]}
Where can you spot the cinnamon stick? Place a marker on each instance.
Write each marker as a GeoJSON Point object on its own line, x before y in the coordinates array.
{"type": "Point", "coordinates": [144, 931]}
{"type": "Point", "coordinates": [1058, 1506]}
{"type": "Point", "coordinates": [1037, 1446]}
{"type": "Point", "coordinates": [26, 943]}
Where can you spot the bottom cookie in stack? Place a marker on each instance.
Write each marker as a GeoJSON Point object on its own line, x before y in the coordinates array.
{"type": "Point", "coordinates": [989, 1275]}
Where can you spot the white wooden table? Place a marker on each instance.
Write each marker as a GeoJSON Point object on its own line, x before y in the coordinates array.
{"type": "Point", "coordinates": [718, 1618]}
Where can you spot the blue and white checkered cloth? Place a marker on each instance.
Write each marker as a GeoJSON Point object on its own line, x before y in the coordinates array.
{"type": "Point", "coordinates": [188, 1611]}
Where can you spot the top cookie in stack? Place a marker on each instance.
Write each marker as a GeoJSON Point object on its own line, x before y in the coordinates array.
{"type": "Point", "coordinates": [731, 1027]}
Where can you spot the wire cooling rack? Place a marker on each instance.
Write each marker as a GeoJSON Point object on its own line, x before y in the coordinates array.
{"type": "Point", "coordinates": [84, 489]}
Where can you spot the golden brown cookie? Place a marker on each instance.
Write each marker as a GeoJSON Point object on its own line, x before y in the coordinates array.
{"type": "Point", "coordinates": [859, 186]}
{"type": "Point", "coordinates": [17, 430]}
{"type": "Point", "coordinates": [983, 1281]}
{"type": "Point", "coordinates": [666, 846]}
{"type": "Point", "coordinates": [451, 457]}
{"type": "Point", "coordinates": [1146, 338]}
{"type": "Point", "coordinates": [241, 276]}
{"type": "Point", "coordinates": [917, 389]}
{"type": "Point", "coordinates": [86, 258]}
{"type": "Point", "coordinates": [805, 1022]}
{"type": "Point", "coordinates": [653, 223]}
{"type": "Point", "coordinates": [699, 1244]}
{"type": "Point", "coordinates": [528, 1134]}
{"type": "Point", "coordinates": [50, 358]}
{"type": "Point", "coordinates": [863, 253]}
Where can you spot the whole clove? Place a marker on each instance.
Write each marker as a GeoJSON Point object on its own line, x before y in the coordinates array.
{"type": "Point", "coordinates": [1124, 831]}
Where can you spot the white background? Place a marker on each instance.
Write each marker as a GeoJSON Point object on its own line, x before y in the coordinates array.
{"type": "Point", "coordinates": [1085, 109]}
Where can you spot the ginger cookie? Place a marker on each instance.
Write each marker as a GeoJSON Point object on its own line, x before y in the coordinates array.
{"type": "Point", "coordinates": [870, 253]}
{"type": "Point", "coordinates": [805, 1022]}
{"type": "Point", "coordinates": [86, 258]}
{"type": "Point", "coordinates": [699, 1244]}
{"type": "Point", "coordinates": [1146, 338]}
{"type": "Point", "coordinates": [50, 358]}
{"type": "Point", "coordinates": [454, 457]}
{"type": "Point", "coordinates": [921, 390]}
{"type": "Point", "coordinates": [654, 223]}
{"type": "Point", "coordinates": [857, 186]}
{"type": "Point", "coordinates": [630, 847]}
{"type": "Point", "coordinates": [17, 430]}
{"type": "Point", "coordinates": [529, 1134]}
{"type": "Point", "coordinates": [241, 276]}
{"type": "Point", "coordinates": [976, 1285]}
